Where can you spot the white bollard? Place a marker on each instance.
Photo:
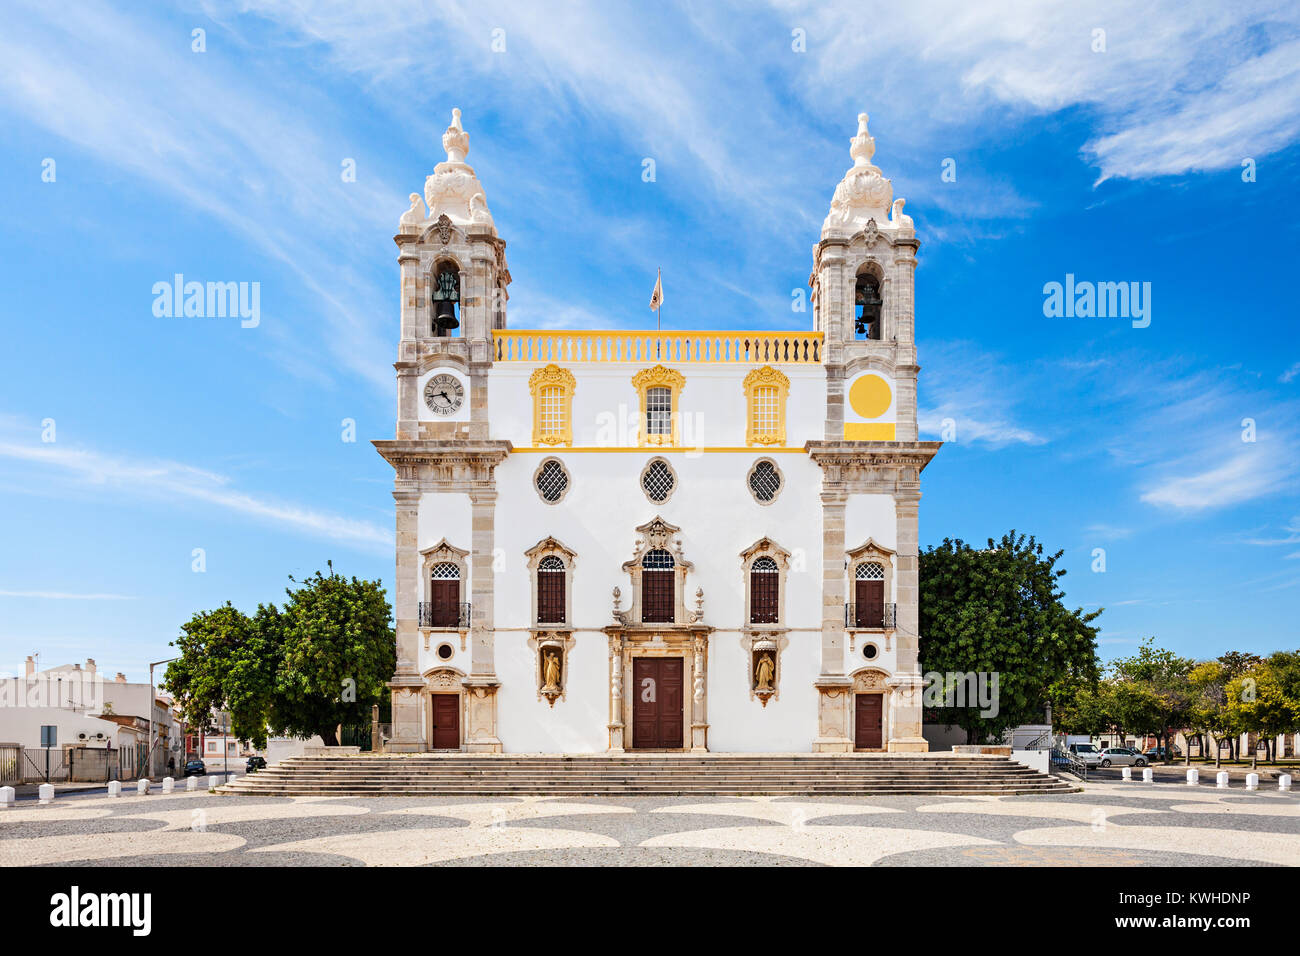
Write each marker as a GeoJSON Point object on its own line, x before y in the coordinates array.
{"type": "Point", "coordinates": [115, 788]}
{"type": "Point", "coordinates": [1221, 780]}
{"type": "Point", "coordinates": [1284, 782]}
{"type": "Point", "coordinates": [214, 781]}
{"type": "Point", "coordinates": [1193, 776]}
{"type": "Point", "coordinates": [45, 792]}
{"type": "Point", "coordinates": [142, 787]}
{"type": "Point", "coordinates": [1148, 775]}
{"type": "Point", "coordinates": [168, 784]}
{"type": "Point", "coordinates": [232, 778]}
{"type": "Point", "coordinates": [7, 797]}
{"type": "Point", "coordinates": [1252, 781]}
{"type": "Point", "coordinates": [1125, 773]}
{"type": "Point", "coordinates": [191, 783]}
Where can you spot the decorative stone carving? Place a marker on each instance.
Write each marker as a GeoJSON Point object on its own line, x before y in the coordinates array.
{"type": "Point", "coordinates": [453, 189]}
{"type": "Point", "coordinates": [863, 197]}
{"type": "Point", "coordinates": [412, 218]}
{"type": "Point", "coordinates": [658, 535]}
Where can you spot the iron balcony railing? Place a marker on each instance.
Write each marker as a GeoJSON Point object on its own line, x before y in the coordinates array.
{"type": "Point", "coordinates": [444, 615]}
{"type": "Point", "coordinates": [870, 617]}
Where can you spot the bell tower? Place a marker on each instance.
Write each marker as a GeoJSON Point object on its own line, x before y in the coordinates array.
{"type": "Point", "coordinates": [862, 295]}
{"type": "Point", "coordinates": [454, 281]}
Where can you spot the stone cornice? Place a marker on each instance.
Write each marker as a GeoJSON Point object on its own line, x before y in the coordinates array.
{"type": "Point", "coordinates": [916, 454]}
{"type": "Point", "coordinates": [450, 464]}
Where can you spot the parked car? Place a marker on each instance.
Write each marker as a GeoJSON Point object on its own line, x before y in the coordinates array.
{"type": "Point", "coordinates": [256, 763]}
{"type": "Point", "coordinates": [1088, 753]}
{"type": "Point", "coordinates": [1122, 757]}
{"type": "Point", "coordinates": [195, 768]}
{"type": "Point", "coordinates": [1163, 753]}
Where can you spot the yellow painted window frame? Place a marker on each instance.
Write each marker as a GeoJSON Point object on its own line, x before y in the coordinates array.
{"type": "Point", "coordinates": [765, 377]}
{"type": "Point", "coordinates": [552, 376]}
{"type": "Point", "coordinates": [659, 377]}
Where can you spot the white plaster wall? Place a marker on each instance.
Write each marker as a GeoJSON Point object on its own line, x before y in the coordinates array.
{"type": "Point", "coordinates": [22, 725]}
{"type": "Point", "coordinates": [597, 519]}
{"type": "Point", "coordinates": [788, 723]}
{"type": "Point", "coordinates": [577, 723]}
{"type": "Point", "coordinates": [871, 516]}
{"type": "Point", "coordinates": [711, 503]}
{"type": "Point", "coordinates": [606, 408]}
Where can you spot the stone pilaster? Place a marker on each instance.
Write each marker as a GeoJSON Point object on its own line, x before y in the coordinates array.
{"type": "Point", "coordinates": [905, 725]}
{"type": "Point", "coordinates": [615, 694]}
{"type": "Point", "coordinates": [700, 696]}
{"type": "Point", "coordinates": [834, 688]}
{"type": "Point", "coordinates": [481, 684]}
{"type": "Point", "coordinates": [407, 684]}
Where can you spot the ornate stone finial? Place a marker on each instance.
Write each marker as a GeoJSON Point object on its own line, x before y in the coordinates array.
{"type": "Point", "coordinates": [863, 194]}
{"type": "Point", "coordinates": [863, 146]}
{"type": "Point", "coordinates": [455, 140]}
{"type": "Point", "coordinates": [453, 189]}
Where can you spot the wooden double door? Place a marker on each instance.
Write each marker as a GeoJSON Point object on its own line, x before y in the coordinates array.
{"type": "Point", "coordinates": [657, 700]}
{"type": "Point", "coordinates": [869, 729]}
{"type": "Point", "coordinates": [446, 722]}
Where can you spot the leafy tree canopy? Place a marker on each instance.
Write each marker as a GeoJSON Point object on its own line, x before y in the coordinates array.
{"type": "Point", "coordinates": [999, 610]}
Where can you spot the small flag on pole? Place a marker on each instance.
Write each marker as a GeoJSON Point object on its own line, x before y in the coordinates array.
{"type": "Point", "coordinates": [657, 297]}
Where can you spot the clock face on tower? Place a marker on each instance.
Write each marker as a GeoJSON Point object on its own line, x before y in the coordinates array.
{"type": "Point", "coordinates": [444, 394]}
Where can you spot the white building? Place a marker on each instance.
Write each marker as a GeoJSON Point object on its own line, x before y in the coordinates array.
{"type": "Point", "coordinates": [614, 540]}
{"type": "Point", "coordinates": [85, 709]}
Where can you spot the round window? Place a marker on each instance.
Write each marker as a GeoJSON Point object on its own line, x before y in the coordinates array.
{"type": "Point", "coordinates": [764, 481]}
{"type": "Point", "coordinates": [870, 651]}
{"type": "Point", "coordinates": [552, 481]}
{"type": "Point", "coordinates": [658, 480]}
{"type": "Point", "coordinates": [445, 651]}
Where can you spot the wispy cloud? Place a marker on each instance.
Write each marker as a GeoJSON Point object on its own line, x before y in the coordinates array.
{"type": "Point", "coordinates": [968, 388]}
{"type": "Point", "coordinates": [66, 596]}
{"type": "Point", "coordinates": [149, 478]}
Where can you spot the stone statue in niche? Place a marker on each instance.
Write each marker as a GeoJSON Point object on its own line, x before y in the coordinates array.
{"type": "Point", "coordinates": [764, 673]}
{"type": "Point", "coordinates": [551, 675]}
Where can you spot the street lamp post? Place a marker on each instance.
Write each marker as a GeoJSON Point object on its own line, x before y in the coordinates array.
{"type": "Point", "coordinates": [148, 757]}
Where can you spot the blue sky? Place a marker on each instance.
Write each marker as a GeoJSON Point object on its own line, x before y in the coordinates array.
{"type": "Point", "coordinates": [1122, 164]}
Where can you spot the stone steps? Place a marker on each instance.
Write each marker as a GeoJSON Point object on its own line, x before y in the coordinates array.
{"type": "Point", "coordinates": [645, 775]}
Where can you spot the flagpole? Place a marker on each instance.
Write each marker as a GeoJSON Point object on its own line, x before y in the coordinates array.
{"type": "Point", "coordinates": [659, 323]}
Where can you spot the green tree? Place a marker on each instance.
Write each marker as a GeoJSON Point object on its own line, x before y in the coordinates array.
{"type": "Point", "coordinates": [339, 652]}
{"type": "Point", "coordinates": [228, 661]}
{"type": "Point", "coordinates": [1163, 677]}
{"type": "Point", "coordinates": [1257, 704]}
{"type": "Point", "coordinates": [320, 662]}
{"type": "Point", "coordinates": [998, 610]}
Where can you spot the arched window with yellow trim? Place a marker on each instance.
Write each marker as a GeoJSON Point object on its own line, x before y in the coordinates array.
{"type": "Point", "coordinates": [552, 389]}
{"type": "Point", "coordinates": [659, 389]}
{"type": "Point", "coordinates": [766, 391]}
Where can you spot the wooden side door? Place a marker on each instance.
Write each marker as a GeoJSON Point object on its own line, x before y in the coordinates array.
{"type": "Point", "coordinates": [446, 721]}
{"type": "Point", "coordinates": [869, 598]}
{"type": "Point", "coordinates": [444, 595]}
{"type": "Point", "coordinates": [869, 733]}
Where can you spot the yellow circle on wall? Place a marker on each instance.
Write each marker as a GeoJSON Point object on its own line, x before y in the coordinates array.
{"type": "Point", "coordinates": [869, 396]}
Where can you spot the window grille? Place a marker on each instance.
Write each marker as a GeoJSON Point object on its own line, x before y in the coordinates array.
{"type": "Point", "coordinates": [870, 571]}
{"type": "Point", "coordinates": [658, 594]}
{"type": "Point", "coordinates": [552, 481]}
{"type": "Point", "coordinates": [764, 482]}
{"type": "Point", "coordinates": [767, 410]}
{"type": "Point", "coordinates": [446, 571]}
{"type": "Point", "coordinates": [550, 591]}
{"type": "Point", "coordinates": [552, 410]}
{"type": "Point", "coordinates": [658, 480]}
{"type": "Point", "coordinates": [764, 585]}
{"type": "Point", "coordinates": [659, 411]}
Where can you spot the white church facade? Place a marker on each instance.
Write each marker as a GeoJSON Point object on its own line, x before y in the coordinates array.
{"type": "Point", "coordinates": [611, 541]}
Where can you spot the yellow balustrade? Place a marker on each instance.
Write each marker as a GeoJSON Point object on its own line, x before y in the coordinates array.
{"type": "Point", "coordinates": [575, 345]}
